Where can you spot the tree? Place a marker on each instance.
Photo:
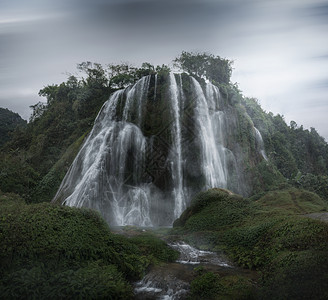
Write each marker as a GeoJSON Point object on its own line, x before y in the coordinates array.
{"type": "Point", "coordinates": [164, 69]}
{"type": "Point", "coordinates": [96, 75]}
{"type": "Point", "coordinates": [37, 111]}
{"type": "Point", "coordinates": [121, 76]}
{"type": "Point", "coordinates": [206, 65]}
{"type": "Point", "coordinates": [50, 92]}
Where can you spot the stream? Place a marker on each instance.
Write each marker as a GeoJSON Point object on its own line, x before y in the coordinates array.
{"type": "Point", "coordinates": [172, 281]}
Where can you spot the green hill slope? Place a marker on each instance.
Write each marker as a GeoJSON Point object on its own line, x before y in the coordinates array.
{"type": "Point", "coordinates": [9, 121]}
{"type": "Point", "coordinates": [270, 234]}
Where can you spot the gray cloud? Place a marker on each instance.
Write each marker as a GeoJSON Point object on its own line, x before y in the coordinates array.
{"type": "Point", "coordinates": [322, 84]}
{"type": "Point", "coordinates": [279, 46]}
{"type": "Point", "coordinates": [322, 57]}
{"type": "Point", "coordinates": [318, 11]}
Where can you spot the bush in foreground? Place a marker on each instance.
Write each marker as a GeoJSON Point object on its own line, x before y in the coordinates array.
{"type": "Point", "coordinates": [56, 252]}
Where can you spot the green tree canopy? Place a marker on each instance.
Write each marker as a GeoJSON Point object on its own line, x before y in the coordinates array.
{"type": "Point", "coordinates": [214, 68]}
{"type": "Point", "coordinates": [9, 121]}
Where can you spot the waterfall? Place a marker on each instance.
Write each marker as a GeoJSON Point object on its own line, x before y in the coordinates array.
{"type": "Point", "coordinates": [151, 148]}
{"type": "Point", "coordinates": [260, 143]}
{"type": "Point", "coordinates": [155, 87]}
{"type": "Point", "coordinates": [177, 175]}
{"type": "Point", "coordinates": [210, 124]}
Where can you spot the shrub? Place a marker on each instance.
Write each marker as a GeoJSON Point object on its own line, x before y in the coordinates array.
{"type": "Point", "coordinates": [56, 252]}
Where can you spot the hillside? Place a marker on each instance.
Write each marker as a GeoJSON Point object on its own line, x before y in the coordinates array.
{"type": "Point", "coordinates": [272, 235]}
{"type": "Point", "coordinates": [9, 121]}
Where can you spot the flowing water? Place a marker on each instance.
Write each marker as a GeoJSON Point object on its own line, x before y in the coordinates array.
{"type": "Point", "coordinates": [173, 280]}
{"type": "Point", "coordinates": [177, 176]}
{"type": "Point", "coordinates": [210, 123]}
{"type": "Point", "coordinates": [260, 143]}
{"type": "Point", "coordinates": [152, 147]}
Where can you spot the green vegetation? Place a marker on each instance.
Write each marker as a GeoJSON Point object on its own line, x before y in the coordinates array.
{"type": "Point", "coordinates": [34, 161]}
{"type": "Point", "coordinates": [300, 155]}
{"type": "Point", "coordinates": [215, 68]}
{"type": "Point", "coordinates": [208, 285]}
{"type": "Point", "coordinates": [205, 286]}
{"type": "Point", "coordinates": [269, 234]}
{"type": "Point", "coordinates": [9, 121]}
{"type": "Point", "coordinates": [55, 252]}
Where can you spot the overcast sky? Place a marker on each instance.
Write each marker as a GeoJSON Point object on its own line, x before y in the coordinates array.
{"type": "Point", "coordinates": [279, 47]}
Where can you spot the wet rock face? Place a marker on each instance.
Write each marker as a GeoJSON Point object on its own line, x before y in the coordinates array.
{"type": "Point", "coordinates": [153, 146]}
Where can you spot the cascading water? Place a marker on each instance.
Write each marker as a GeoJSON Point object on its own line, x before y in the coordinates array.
{"type": "Point", "coordinates": [155, 86]}
{"type": "Point", "coordinates": [153, 146]}
{"type": "Point", "coordinates": [210, 124]}
{"type": "Point", "coordinates": [260, 143]}
{"type": "Point", "coordinates": [177, 175]}
{"type": "Point", "coordinates": [172, 282]}
{"type": "Point", "coordinates": [102, 182]}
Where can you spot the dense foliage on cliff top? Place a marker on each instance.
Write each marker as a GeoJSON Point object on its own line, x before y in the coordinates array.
{"type": "Point", "coordinates": [37, 157]}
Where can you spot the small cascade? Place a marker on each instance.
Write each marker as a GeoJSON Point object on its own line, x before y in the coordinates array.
{"type": "Point", "coordinates": [194, 256]}
{"type": "Point", "coordinates": [162, 285]}
{"type": "Point", "coordinates": [181, 93]}
{"type": "Point", "coordinates": [172, 281]}
{"type": "Point", "coordinates": [135, 101]}
{"type": "Point", "coordinates": [153, 146]}
{"type": "Point", "coordinates": [260, 143]}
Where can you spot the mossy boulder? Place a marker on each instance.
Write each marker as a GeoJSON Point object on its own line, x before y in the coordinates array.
{"type": "Point", "coordinates": [212, 209]}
